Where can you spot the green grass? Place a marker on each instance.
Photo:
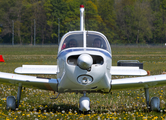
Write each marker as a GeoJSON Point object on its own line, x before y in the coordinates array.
{"type": "Point", "coordinates": [126, 104]}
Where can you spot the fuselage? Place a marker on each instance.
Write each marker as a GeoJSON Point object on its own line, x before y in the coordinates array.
{"type": "Point", "coordinates": [89, 73]}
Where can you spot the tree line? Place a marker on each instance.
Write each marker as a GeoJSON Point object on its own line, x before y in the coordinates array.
{"type": "Point", "coordinates": [122, 21]}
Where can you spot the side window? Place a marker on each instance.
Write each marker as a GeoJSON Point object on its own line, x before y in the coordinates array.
{"type": "Point", "coordinates": [75, 40]}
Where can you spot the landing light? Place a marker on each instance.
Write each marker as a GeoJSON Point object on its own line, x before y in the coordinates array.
{"type": "Point", "coordinates": [84, 79]}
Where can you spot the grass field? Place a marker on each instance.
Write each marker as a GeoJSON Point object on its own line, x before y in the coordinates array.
{"type": "Point", "coordinates": [36, 104]}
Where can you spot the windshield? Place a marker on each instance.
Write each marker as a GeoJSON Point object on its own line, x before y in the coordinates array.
{"type": "Point", "coordinates": [93, 40]}
{"type": "Point", "coordinates": [96, 40]}
{"type": "Point", "coordinates": [72, 40]}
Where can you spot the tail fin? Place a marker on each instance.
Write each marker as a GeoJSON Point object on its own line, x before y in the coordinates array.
{"type": "Point", "coordinates": [1, 59]}
{"type": "Point", "coordinates": [81, 17]}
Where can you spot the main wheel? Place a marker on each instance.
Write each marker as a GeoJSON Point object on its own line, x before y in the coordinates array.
{"type": "Point", "coordinates": [11, 103]}
{"type": "Point", "coordinates": [155, 104]}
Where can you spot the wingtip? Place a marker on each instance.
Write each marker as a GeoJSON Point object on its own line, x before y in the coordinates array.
{"type": "Point", "coordinates": [18, 70]}
{"type": "Point", "coordinates": [144, 72]}
{"type": "Point", "coordinates": [1, 59]}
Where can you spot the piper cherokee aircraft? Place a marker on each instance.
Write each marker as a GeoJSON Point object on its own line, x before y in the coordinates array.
{"type": "Point", "coordinates": [84, 65]}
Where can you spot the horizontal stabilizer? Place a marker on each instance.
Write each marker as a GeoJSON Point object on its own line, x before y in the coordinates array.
{"type": "Point", "coordinates": [31, 81]}
{"type": "Point", "coordinates": [138, 82]}
{"type": "Point", "coordinates": [116, 70]}
{"type": "Point", "coordinates": [36, 69]}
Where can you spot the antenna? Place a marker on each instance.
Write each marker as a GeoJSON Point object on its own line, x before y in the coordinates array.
{"type": "Point", "coordinates": [81, 17]}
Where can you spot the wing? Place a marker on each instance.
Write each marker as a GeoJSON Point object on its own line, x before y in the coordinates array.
{"type": "Point", "coordinates": [116, 70]}
{"type": "Point", "coordinates": [37, 69]}
{"type": "Point", "coordinates": [139, 82]}
{"type": "Point", "coordinates": [30, 81]}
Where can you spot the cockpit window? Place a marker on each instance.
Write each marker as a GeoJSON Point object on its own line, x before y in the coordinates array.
{"type": "Point", "coordinates": [92, 39]}
{"type": "Point", "coordinates": [75, 40]}
{"type": "Point", "coordinates": [96, 40]}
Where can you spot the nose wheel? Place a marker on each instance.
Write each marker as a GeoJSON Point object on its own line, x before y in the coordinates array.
{"type": "Point", "coordinates": [84, 103]}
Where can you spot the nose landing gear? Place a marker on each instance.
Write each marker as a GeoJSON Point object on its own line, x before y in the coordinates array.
{"type": "Point", "coordinates": [84, 103]}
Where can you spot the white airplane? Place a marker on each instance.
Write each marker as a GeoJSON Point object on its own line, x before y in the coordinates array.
{"type": "Point", "coordinates": [84, 65]}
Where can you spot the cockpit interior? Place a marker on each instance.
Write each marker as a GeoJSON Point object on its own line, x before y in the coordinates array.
{"type": "Point", "coordinates": [92, 39]}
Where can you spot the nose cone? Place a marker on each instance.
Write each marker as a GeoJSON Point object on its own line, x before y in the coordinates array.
{"type": "Point", "coordinates": [84, 61]}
